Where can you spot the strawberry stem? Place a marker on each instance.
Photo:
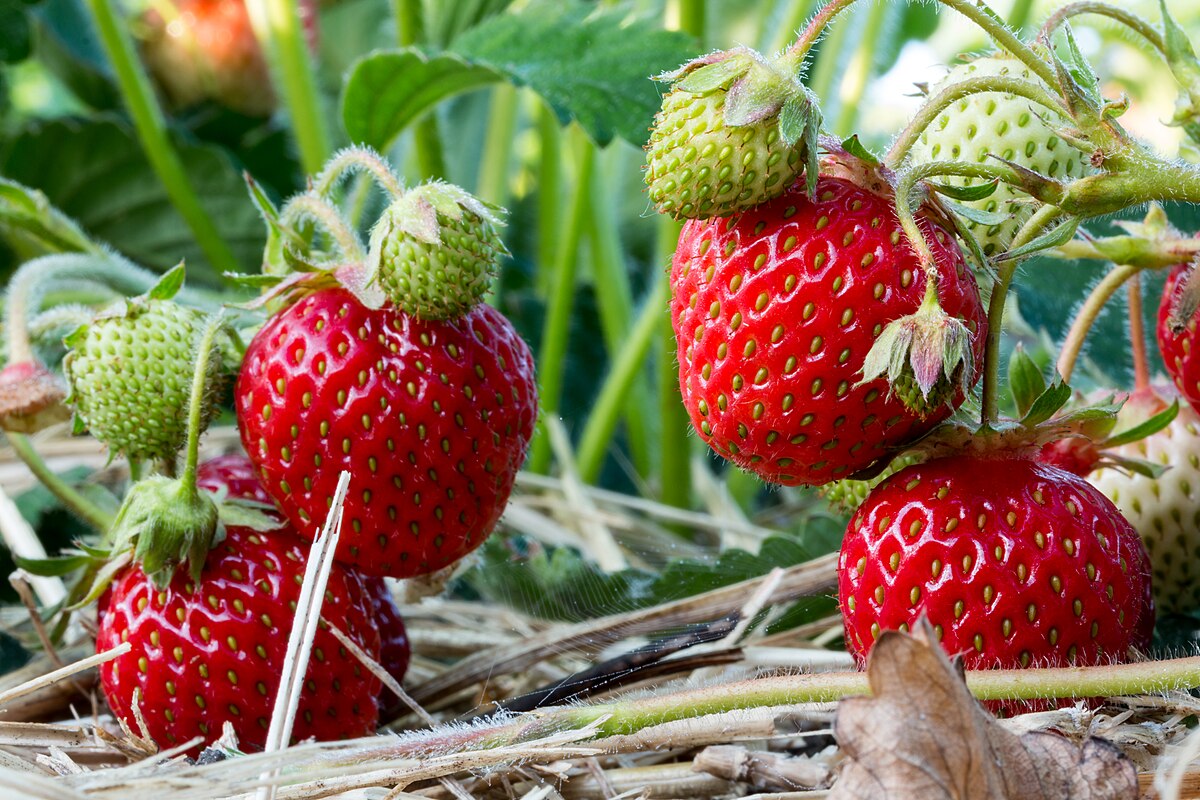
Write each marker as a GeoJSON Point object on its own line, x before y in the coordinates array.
{"type": "Point", "coordinates": [974, 10]}
{"type": "Point", "coordinates": [1087, 315]}
{"type": "Point", "coordinates": [935, 105]}
{"type": "Point", "coordinates": [316, 208]}
{"type": "Point", "coordinates": [1120, 15]}
{"type": "Point", "coordinates": [357, 159]}
{"type": "Point", "coordinates": [280, 31]}
{"type": "Point", "coordinates": [427, 140]}
{"type": "Point", "coordinates": [152, 132]}
{"type": "Point", "coordinates": [206, 351]}
{"type": "Point", "coordinates": [1004, 276]}
{"type": "Point", "coordinates": [72, 499]}
{"type": "Point", "coordinates": [1137, 335]}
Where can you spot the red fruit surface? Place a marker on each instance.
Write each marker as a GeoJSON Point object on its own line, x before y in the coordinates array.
{"type": "Point", "coordinates": [774, 312]}
{"type": "Point", "coordinates": [206, 49]}
{"type": "Point", "coordinates": [1179, 350]}
{"type": "Point", "coordinates": [394, 649]}
{"type": "Point", "coordinates": [213, 652]}
{"type": "Point", "coordinates": [1075, 455]}
{"type": "Point", "coordinates": [235, 474]}
{"type": "Point", "coordinates": [1014, 562]}
{"type": "Point", "coordinates": [431, 419]}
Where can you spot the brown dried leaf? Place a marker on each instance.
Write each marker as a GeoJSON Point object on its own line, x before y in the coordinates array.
{"type": "Point", "coordinates": [922, 735]}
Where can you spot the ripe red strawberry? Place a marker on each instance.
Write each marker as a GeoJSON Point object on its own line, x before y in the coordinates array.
{"type": "Point", "coordinates": [1014, 563]}
{"type": "Point", "coordinates": [775, 311]}
{"type": "Point", "coordinates": [211, 652]}
{"type": "Point", "coordinates": [1178, 345]}
{"type": "Point", "coordinates": [394, 649]}
{"type": "Point", "coordinates": [432, 419]}
{"type": "Point", "coordinates": [207, 49]}
{"type": "Point", "coordinates": [234, 474]}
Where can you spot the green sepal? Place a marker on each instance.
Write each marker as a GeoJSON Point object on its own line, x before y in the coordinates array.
{"type": "Point", "coordinates": [1181, 58]}
{"type": "Point", "coordinates": [54, 566]}
{"type": "Point", "coordinates": [166, 523]}
{"type": "Point", "coordinates": [978, 191]}
{"type": "Point", "coordinates": [168, 285]}
{"type": "Point", "coordinates": [713, 76]}
{"type": "Point", "coordinates": [977, 215]}
{"type": "Point", "coordinates": [1047, 403]}
{"type": "Point", "coordinates": [277, 237]}
{"type": "Point", "coordinates": [1147, 428]}
{"type": "Point", "coordinates": [1136, 466]}
{"type": "Point", "coordinates": [856, 148]}
{"type": "Point", "coordinates": [1056, 237]}
{"type": "Point", "coordinates": [1025, 380]}
{"type": "Point", "coordinates": [251, 281]}
{"type": "Point", "coordinates": [812, 160]}
{"type": "Point", "coordinates": [758, 95]}
{"type": "Point", "coordinates": [1080, 69]}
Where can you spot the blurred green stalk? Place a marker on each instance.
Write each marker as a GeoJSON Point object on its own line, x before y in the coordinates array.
{"type": "Point", "coordinates": [492, 185]}
{"type": "Point", "coordinates": [151, 130]}
{"type": "Point", "coordinates": [859, 72]}
{"type": "Point", "coordinates": [549, 190]}
{"type": "Point", "coordinates": [552, 354]}
{"type": "Point", "coordinates": [278, 27]}
{"type": "Point", "coordinates": [427, 140]}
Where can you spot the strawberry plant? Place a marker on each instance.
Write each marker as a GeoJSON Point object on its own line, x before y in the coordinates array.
{"type": "Point", "coordinates": [513, 332]}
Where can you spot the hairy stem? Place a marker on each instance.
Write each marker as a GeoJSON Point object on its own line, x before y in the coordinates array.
{"type": "Point", "coordinates": [553, 350]}
{"type": "Point", "coordinates": [935, 105]}
{"type": "Point", "coordinates": [152, 133]}
{"type": "Point", "coordinates": [357, 159]}
{"type": "Point", "coordinates": [71, 498]}
{"type": "Point", "coordinates": [626, 367]}
{"type": "Point", "coordinates": [976, 12]}
{"type": "Point", "coordinates": [278, 26]}
{"type": "Point", "coordinates": [325, 214]}
{"type": "Point", "coordinates": [1087, 315]}
{"type": "Point", "coordinates": [1137, 335]}
{"type": "Point", "coordinates": [1004, 276]}
{"type": "Point", "coordinates": [205, 353]}
{"type": "Point", "coordinates": [1115, 13]}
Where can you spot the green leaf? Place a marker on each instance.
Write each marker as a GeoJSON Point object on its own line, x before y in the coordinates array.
{"type": "Point", "coordinates": [1024, 380]}
{"type": "Point", "coordinates": [1047, 403]}
{"type": "Point", "coordinates": [1056, 237]}
{"type": "Point", "coordinates": [27, 213]}
{"type": "Point", "coordinates": [95, 172]}
{"type": "Point", "coordinates": [388, 91]}
{"type": "Point", "coordinates": [977, 215]}
{"type": "Point", "coordinates": [16, 41]}
{"type": "Point", "coordinates": [1138, 466]}
{"type": "Point", "coordinates": [590, 65]}
{"type": "Point", "coordinates": [68, 46]}
{"type": "Point", "coordinates": [169, 284]}
{"type": "Point", "coordinates": [968, 194]}
{"type": "Point", "coordinates": [1151, 426]}
{"type": "Point", "coordinates": [857, 149]}
{"type": "Point", "coordinates": [55, 566]}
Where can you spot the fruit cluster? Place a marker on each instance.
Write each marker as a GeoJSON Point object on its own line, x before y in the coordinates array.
{"type": "Point", "coordinates": [380, 361]}
{"type": "Point", "coordinates": [828, 322]}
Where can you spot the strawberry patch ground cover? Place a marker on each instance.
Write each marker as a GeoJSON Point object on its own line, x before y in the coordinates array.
{"type": "Point", "coordinates": [664, 399]}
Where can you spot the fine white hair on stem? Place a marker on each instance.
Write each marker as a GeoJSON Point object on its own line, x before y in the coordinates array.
{"type": "Point", "coordinates": [304, 628]}
{"type": "Point", "coordinates": [358, 159]}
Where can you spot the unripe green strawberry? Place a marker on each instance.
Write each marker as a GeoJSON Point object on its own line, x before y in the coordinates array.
{"type": "Point", "coordinates": [1165, 510]}
{"type": "Point", "coordinates": [131, 370]}
{"type": "Point", "coordinates": [1013, 128]}
{"type": "Point", "coordinates": [735, 130]}
{"type": "Point", "coordinates": [434, 251]}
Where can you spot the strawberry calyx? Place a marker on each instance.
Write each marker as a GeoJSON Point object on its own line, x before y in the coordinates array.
{"type": "Point", "coordinates": [433, 252]}
{"type": "Point", "coordinates": [1093, 444]}
{"type": "Point", "coordinates": [736, 129]}
{"type": "Point", "coordinates": [926, 357]}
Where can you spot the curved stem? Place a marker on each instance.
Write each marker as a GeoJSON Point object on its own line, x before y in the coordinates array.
{"type": "Point", "coordinates": [1137, 335]}
{"type": "Point", "coordinates": [935, 105]}
{"type": "Point", "coordinates": [152, 133]}
{"type": "Point", "coordinates": [74, 500]}
{"type": "Point", "coordinates": [357, 159]}
{"type": "Point", "coordinates": [1087, 315]}
{"type": "Point", "coordinates": [29, 284]}
{"type": "Point", "coordinates": [321, 211]}
{"type": "Point", "coordinates": [1126, 18]}
{"type": "Point", "coordinates": [976, 12]}
{"type": "Point", "coordinates": [204, 355]}
{"type": "Point", "coordinates": [991, 358]}
{"type": "Point", "coordinates": [427, 141]}
{"type": "Point", "coordinates": [278, 26]}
